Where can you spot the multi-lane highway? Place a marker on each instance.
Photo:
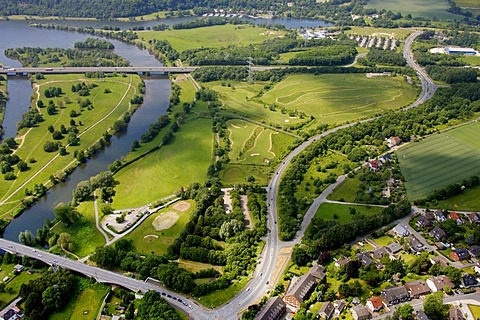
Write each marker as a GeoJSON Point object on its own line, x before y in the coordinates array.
{"type": "Point", "coordinates": [267, 271]}
{"type": "Point", "coordinates": [68, 70]}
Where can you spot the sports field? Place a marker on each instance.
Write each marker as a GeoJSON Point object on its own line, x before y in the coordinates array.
{"type": "Point", "coordinates": [211, 37]}
{"type": "Point", "coordinates": [417, 8]}
{"type": "Point", "coordinates": [440, 160]}
{"type": "Point", "coordinates": [337, 98]}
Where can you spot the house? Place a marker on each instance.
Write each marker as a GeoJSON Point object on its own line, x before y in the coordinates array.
{"type": "Point", "coordinates": [394, 247]}
{"type": "Point", "coordinates": [300, 290]}
{"type": "Point", "coordinates": [455, 313]}
{"type": "Point", "coordinates": [374, 304]}
{"type": "Point", "coordinates": [400, 230]}
{"type": "Point", "coordinates": [394, 295]}
{"type": "Point", "coordinates": [355, 301]}
{"type": "Point", "coordinates": [459, 254]}
{"type": "Point", "coordinates": [438, 283]}
{"type": "Point", "coordinates": [339, 306]}
{"type": "Point", "coordinates": [273, 309]}
{"type": "Point", "coordinates": [421, 315]}
{"type": "Point", "coordinates": [373, 164]}
{"type": "Point", "coordinates": [474, 251]}
{"type": "Point", "coordinates": [326, 311]}
{"type": "Point", "coordinates": [417, 288]}
{"type": "Point", "coordinates": [13, 313]}
{"type": "Point", "coordinates": [415, 245]}
{"type": "Point", "coordinates": [439, 216]}
{"type": "Point", "coordinates": [361, 313]}
{"type": "Point", "coordinates": [454, 216]}
{"type": "Point", "coordinates": [393, 141]}
{"type": "Point", "coordinates": [469, 280]}
{"type": "Point", "coordinates": [379, 253]}
{"type": "Point", "coordinates": [424, 222]}
{"type": "Point", "coordinates": [474, 217]}
{"type": "Point", "coordinates": [438, 233]}
{"type": "Point", "coordinates": [18, 268]}
{"type": "Point", "coordinates": [341, 262]}
{"type": "Point", "coordinates": [318, 272]}
{"type": "Point", "coordinates": [364, 258]}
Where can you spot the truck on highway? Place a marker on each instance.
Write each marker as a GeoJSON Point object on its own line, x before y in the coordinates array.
{"type": "Point", "coordinates": [48, 69]}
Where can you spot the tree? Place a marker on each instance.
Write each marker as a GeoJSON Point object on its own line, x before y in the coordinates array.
{"type": "Point", "coordinates": [66, 214]}
{"type": "Point", "coordinates": [22, 166]}
{"type": "Point", "coordinates": [26, 237]}
{"type": "Point", "coordinates": [119, 126]}
{"type": "Point", "coordinates": [434, 307]}
{"type": "Point", "coordinates": [65, 241]}
{"type": "Point", "coordinates": [82, 191]}
{"type": "Point", "coordinates": [404, 312]}
{"type": "Point", "coordinates": [230, 228]}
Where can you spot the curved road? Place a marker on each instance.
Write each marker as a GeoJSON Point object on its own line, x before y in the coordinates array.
{"type": "Point", "coordinates": [264, 277]}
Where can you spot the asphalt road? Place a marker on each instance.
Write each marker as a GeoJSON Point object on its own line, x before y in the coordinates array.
{"type": "Point", "coordinates": [264, 277]}
{"type": "Point", "coordinates": [68, 70]}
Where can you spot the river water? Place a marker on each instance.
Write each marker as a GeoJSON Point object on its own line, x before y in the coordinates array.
{"type": "Point", "coordinates": [15, 34]}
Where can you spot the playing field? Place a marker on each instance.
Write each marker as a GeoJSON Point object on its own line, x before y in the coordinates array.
{"type": "Point", "coordinates": [162, 172]}
{"type": "Point", "coordinates": [211, 37]}
{"type": "Point", "coordinates": [440, 160]}
{"type": "Point", "coordinates": [417, 8]}
{"type": "Point", "coordinates": [337, 98]}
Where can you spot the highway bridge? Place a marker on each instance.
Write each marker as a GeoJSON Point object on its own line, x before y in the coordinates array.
{"type": "Point", "coordinates": [68, 70]}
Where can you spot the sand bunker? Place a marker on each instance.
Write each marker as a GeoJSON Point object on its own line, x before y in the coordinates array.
{"type": "Point", "coordinates": [151, 236]}
{"type": "Point", "coordinates": [181, 206]}
{"type": "Point", "coordinates": [165, 221]}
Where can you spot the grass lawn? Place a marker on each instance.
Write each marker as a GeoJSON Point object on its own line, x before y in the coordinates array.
{"type": "Point", "coordinates": [237, 173]}
{"type": "Point", "coordinates": [475, 310]}
{"type": "Point", "coordinates": [14, 283]}
{"type": "Point", "coordinates": [220, 297]}
{"type": "Point", "coordinates": [147, 240]}
{"type": "Point", "coordinates": [328, 211]}
{"type": "Point", "coordinates": [162, 172]}
{"type": "Point", "coordinates": [211, 37]}
{"type": "Point", "coordinates": [85, 235]}
{"type": "Point", "coordinates": [85, 305]}
{"type": "Point", "coordinates": [338, 98]}
{"type": "Point", "coordinates": [399, 33]}
{"type": "Point", "coordinates": [194, 266]}
{"type": "Point", "coordinates": [468, 200]}
{"type": "Point", "coordinates": [417, 8]}
{"type": "Point", "coordinates": [346, 191]}
{"type": "Point", "coordinates": [383, 241]}
{"type": "Point", "coordinates": [107, 108]}
{"type": "Point", "coordinates": [470, 60]}
{"type": "Point", "coordinates": [440, 160]}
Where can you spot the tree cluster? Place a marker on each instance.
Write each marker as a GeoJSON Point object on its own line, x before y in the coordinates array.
{"type": "Point", "coordinates": [94, 43]}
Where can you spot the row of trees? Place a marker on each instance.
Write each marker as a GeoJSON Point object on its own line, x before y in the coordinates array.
{"type": "Point", "coordinates": [94, 43]}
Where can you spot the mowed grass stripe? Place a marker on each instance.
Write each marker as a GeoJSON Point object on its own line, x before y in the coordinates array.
{"type": "Point", "coordinates": [440, 160]}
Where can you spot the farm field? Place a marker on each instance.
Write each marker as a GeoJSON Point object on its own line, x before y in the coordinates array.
{"type": "Point", "coordinates": [211, 37]}
{"type": "Point", "coordinates": [328, 212]}
{"type": "Point", "coordinates": [468, 200]}
{"type": "Point", "coordinates": [148, 237]}
{"type": "Point", "coordinates": [417, 8]}
{"type": "Point", "coordinates": [337, 98]}
{"type": "Point", "coordinates": [440, 160]}
{"type": "Point", "coordinates": [162, 172]}
{"type": "Point", "coordinates": [91, 122]}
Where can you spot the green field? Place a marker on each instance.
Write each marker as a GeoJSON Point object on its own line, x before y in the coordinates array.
{"type": "Point", "coordinates": [440, 160]}
{"type": "Point", "coordinates": [328, 211]}
{"type": "Point", "coordinates": [470, 60]}
{"type": "Point", "coordinates": [346, 191]}
{"type": "Point", "coordinates": [84, 233]}
{"type": "Point", "coordinates": [398, 33]}
{"type": "Point", "coordinates": [468, 200]}
{"type": "Point", "coordinates": [162, 172]}
{"type": "Point", "coordinates": [475, 310]}
{"type": "Point", "coordinates": [148, 240]}
{"type": "Point", "coordinates": [417, 8]}
{"type": "Point", "coordinates": [12, 287]}
{"type": "Point", "coordinates": [211, 37]}
{"type": "Point", "coordinates": [94, 122]}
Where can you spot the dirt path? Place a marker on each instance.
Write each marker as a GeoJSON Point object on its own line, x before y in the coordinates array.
{"type": "Point", "coordinates": [246, 212]}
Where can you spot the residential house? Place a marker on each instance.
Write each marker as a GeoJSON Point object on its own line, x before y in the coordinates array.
{"type": "Point", "coordinates": [469, 280]}
{"type": "Point", "coordinates": [379, 253]}
{"type": "Point", "coordinates": [318, 272]}
{"type": "Point", "coordinates": [273, 309]}
{"type": "Point", "coordinates": [13, 313]}
{"type": "Point", "coordinates": [415, 245]}
{"type": "Point", "coordinates": [326, 311]}
{"type": "Point", "coordinates": [439, 216]}
{"type": "Point", "coordinates": [400, 230]}
{"type": "Point", "coordinates": [474, 217]}
{"type": "Point", "coordinates": [438, 283]}
{"type": "Point", "coordinates": [394, 295]}
{"type": "Point", "coordinates": [438, 233]}
{"type": "Point", "coordinates": [394, 247]}
{"type": "Point", "coordinates": [393, 141]}
{"type": "Point", "coordinates": [373, 165]}
{"type": "Point", "coordinates": [18, 268]}
{"type": "Point", "coordinates": [339, 306]}
{"type": "Point", "coordinates": [341, 262]}
{"type": "Point", "coordinates": [455, 313]}
{"type": "Point", "coordinates": [421, 315]}
{"type": "Point", "coordinates": [374, 304]}
{"type": "Point", "coordinates": [355, 301]}
{"type": "Point", "coordinates": [454, 216]}
{"type": "Point", "coordinates": [424, 222]}
{"type": "Point", "coordinates": [300, 290]}
{"type": "Point", "coordinates": [417, 288]}
{"type": "Point", "coordinates": [364, 258]}
{"type": "Point", "coordinates": [459, 254]}
{"type": "Point", "coordinates": [361, 313]}
{"type": "Point", "coordinates": [474, 251]}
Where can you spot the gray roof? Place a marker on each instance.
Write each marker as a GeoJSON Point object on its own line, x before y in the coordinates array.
{"type": "Point", "coordinates": [302, 287]}
{"type": "Point", "coordinates": [377, 254]}
{"type": "Point", "coordinates": [361, 311]}
{"type": "Point", "coordinates": [364, 258]}
{"type": "Point", "coordinates": [273, 309]}
{"type": "Point", "coordinates": [318, 272]}
{"type": "Point", "coordinates": [421, 315]}
{"type": "Point", "coordinates": [327, 309]}
{"type": "Point", "coordinates": [394, 293]}
{"type": "Point", "coordinates": [394, 247]}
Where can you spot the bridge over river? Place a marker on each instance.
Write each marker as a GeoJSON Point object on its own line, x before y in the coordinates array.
{"type": "Point", "coordinates": [68, 70]}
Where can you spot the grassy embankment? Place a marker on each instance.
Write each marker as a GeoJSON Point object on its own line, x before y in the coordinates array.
{"type": "Point", "coordinates": [440, 160]}
{"type": "Point", "coordinates": [341, 212]}
{"type": "Point", "coordinates": [107, 108]}
{"type": "Point", "coordinates": [417, 8]}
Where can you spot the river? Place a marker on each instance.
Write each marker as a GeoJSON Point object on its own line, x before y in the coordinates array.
{"type": "Point", "coordinates": [15, 34]}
